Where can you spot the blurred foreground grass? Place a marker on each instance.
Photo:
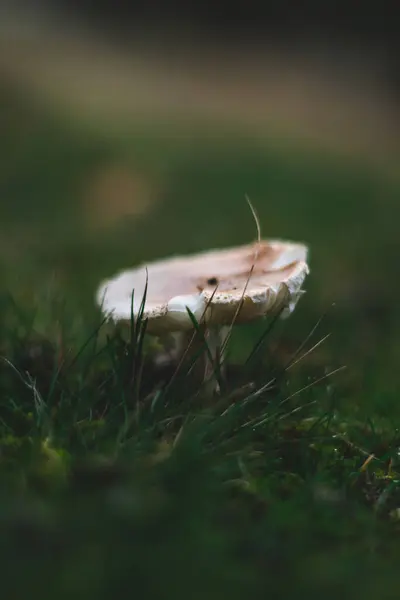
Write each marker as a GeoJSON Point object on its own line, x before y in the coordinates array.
{"type": "Point", "coordinates": [178, 503]}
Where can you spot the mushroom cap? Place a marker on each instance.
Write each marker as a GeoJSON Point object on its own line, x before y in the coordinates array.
{"type": "Point", "coordinates": [217, 286]}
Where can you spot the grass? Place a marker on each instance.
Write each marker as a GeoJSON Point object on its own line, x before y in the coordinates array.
{"type": "Point", "coordinates": [119, 476]}
{"type": "Point", "coordinates": [111, 475]}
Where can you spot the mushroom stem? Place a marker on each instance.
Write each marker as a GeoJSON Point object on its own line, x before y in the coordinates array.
{"type": "Point", "coordinates": [215, 338]}
{"type": "Point", "coordinates": [190, 345]}
{"type": "Point", "coordinates": [172, 344]}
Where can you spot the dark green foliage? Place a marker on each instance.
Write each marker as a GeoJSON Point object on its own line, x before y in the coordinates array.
{"type": "Point", "coordinates": [122, 478]}
{"type": "Point", "coordinates": [116, 480]}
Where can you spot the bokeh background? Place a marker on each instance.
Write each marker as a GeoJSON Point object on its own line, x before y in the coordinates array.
{"type": "Point", "coordinates": [132, 131]}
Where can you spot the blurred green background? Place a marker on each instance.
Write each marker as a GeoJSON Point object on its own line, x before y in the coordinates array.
{"type": "Point", "coordinates": [86, 191]}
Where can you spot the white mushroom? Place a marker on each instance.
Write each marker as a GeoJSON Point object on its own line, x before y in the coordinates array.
{"type": "Point", "coordinates": [219, 287]}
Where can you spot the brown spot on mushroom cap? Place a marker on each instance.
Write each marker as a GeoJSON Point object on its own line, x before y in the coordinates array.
{"type": "Point", "coordinates": [249, 281]}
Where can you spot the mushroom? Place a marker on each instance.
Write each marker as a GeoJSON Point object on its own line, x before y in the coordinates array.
{"type": "Point", "coordinates": [219, 287]}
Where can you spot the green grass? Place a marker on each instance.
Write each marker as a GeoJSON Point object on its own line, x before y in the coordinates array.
{"type": "Point", "coordinates": [120, 477]}
{"type": "Point", "coordinates": [114, 475]}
